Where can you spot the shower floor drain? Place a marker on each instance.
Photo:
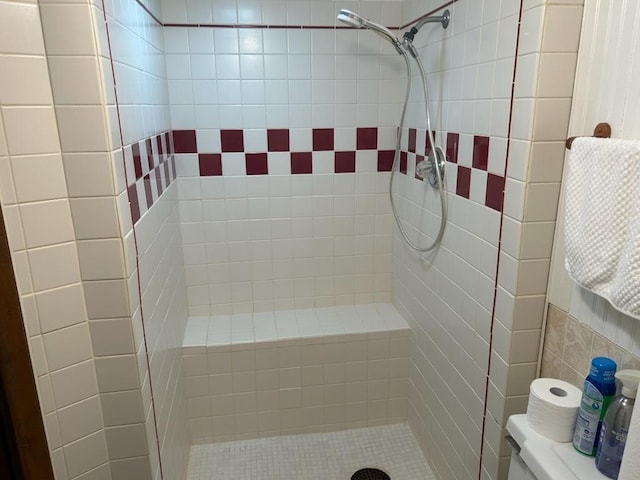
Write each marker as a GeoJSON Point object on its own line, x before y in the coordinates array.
{"type": "Point", "coordinates": [370, 474]}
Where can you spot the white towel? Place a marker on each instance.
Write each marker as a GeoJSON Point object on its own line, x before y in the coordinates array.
{"type": "Point", "coordinates": [602, 220]}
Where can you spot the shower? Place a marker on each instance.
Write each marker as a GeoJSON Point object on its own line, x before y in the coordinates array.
{"type": "Point", "coordinates": [433, 167]}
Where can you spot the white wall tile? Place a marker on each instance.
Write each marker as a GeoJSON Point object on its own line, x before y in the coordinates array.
{"type": "Point", "coordinates": [67, 346]}
{"type": "Point", "coordinates": [28, 84]}
{"type": "Point", "coordinates": [75, 383]}
{"type": "Point", "coordinates": [76, 38]}
{"type": "Point", "coordinates": [30, 130]}
{"type": "Point", "coordinates": [75, 80]}
{"type": "Point", "coordinates": [38, 178]}
{"type": "Point", "coordinates": [21, 31]}
{"type": "Point", "coordinates": [46, 223]}
{"type": "Point", "coordinates": [54, 266]}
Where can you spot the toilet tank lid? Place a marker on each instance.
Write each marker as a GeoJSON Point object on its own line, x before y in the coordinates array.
{"type": "Point", "coordinates": [549, 460]}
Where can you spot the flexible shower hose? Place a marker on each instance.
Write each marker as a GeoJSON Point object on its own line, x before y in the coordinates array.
{"type": "Point", "coordinates": [396, 160]}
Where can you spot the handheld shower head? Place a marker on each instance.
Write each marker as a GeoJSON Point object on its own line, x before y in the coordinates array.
{"type": "Point", "coordinates": [354, 20]}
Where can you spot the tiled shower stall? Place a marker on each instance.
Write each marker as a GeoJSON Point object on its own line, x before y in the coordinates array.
{"type": "Point", "coordinates": [175, 159]}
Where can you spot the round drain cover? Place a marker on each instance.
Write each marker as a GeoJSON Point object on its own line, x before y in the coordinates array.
{"type": "Point", "coordinates": [370, 474]}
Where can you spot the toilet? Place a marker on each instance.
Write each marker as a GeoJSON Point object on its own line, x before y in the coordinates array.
{"type": "Point", "coordinates": [535, 457]}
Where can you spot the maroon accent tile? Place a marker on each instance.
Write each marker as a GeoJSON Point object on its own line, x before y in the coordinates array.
{"type": "Point", "coordinates": [232, 140]}
{"type": "Point", "coordinates": [137, 161]}
{"type": "Point", "coordinates": [159, 145]}
{"type": "Point", "coordinates": [150, 162]}
{"type": "Point", "coordinates": [256, 163]}
{"type": "Point", "coordinates": [147, 190]}
{"type": "Point", "coordinates": [134, 206]}
{"type": "Point", "coordinates": [345, 162]}
{"type": "Point", "coordinates": [167, 180]}
{"type": "Point", "coordinates": [301, 162]}
{"type": "Point", "coordinates": [403, 162]}
{"type": "Point", "coordinates": [322, 139]}
{"type": "Point", "coordinates": [278, 140]}
{"type": "Point", "coordinates": [453, 140]}
{"type": "Point", "coordinates": [168, 140]}
{"type": "Point", "coordinates": [367, 138]}
{"type": "Point", "coordinates": [495, 192]}
{"type": "Point", "coordinates": [210, 164]}
{"type": "Point", "coordinates": [184, 141]}
{"type": "Point", "coordinates": [174, 175]}
{"type": "Point", "coordinates": [157, 171]}
{"type": "Point", "coordinates": [385, 160]}
{"type": "Point", "coordinates": [427, 142]}
{"type": "Point", "coordinates": [480, 152]}
{"type": "Point", "coordinates": [419, 158]}
{"type": "Point", "coordinates": [463, 185]}
{"type": "Point", "coordinates": [412, 140]}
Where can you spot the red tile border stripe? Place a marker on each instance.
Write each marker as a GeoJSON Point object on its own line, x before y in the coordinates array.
{"type": "Point", "coordinates": [278, 142]}
{"type": "Point", "coordinates": [153, 176]}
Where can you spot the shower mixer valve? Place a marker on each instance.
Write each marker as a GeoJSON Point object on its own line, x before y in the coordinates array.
{"type": "Point", "coordinates": [427, 168]}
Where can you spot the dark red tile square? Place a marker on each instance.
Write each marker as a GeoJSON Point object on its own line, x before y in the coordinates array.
{"type": "Point", "coordinates": [480, 152]}
{"type": "Point", "coordinates": [385, 160]}
{"type": "Point", "coordinates": [168, 140]}
{"type": "Point", "coordinates": [147, 190]}
{"type": "Point", "coordinates": [159, 145]}
{"type": "Point", "coordinates": [158, 171]}
{"type": "Point", "coordinates": [453, 140]}
{"type": "Point", "coordinates": [322, 139]}
{"type": "Point", "coordinates": [278, 140]}
{"type": "Point", "coordinates": [147, 142]}
{"type": "Point", "coordinates": [495, 192]}
{"type": "Point", "coordinates": [210, 164]}
{"type": "Point", "coordinates": [367, 138]}
{"type": "Point", "coordinates": [184, 141]}
{"type": "Point", "coordinates": [419, 158]}
{"type": "Point", "coordinates": [427, 142]}
{"type": "Point", "coordinates": [134, 206]}
{"type": "Point", "coordinates": [137, 161]}
{"type": "Point", "coordinates": [232, 140]}
{"type": "Point", "coordinates": [256, 163]}
{"type": "Point", "coordinates": [463, 185]}
{"type": "Point", "coordinates": [403, 162]}
{"type": "Point", "coordinates": [412, 140]}
{"type": "Point", "coordinates": [301, 162]}
{"type": "Point", "coordinates": [345, 162]}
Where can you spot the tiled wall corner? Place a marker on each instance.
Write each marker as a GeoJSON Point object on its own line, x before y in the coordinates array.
{"type": "Point", "coordinates": [42, 239]}
{"type": "Point", "coordinates": [474, 85]}
{"type": "Point", "coordinates": [544, 74]}
{"type": "Point", "coordinates": [151, 239]}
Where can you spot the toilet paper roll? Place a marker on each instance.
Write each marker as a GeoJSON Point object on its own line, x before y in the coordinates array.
{"type": "Point", "coordinates": [552, 409]}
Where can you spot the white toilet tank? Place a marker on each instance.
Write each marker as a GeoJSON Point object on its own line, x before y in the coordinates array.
{"type": "Point", "coordinates": [535, 457]}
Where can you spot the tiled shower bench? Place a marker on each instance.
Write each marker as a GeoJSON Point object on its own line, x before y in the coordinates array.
{"type": "Point", "coordinates": [294, 371]}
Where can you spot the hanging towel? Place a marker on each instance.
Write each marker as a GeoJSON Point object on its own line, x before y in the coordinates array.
{"type": "Point", "coordinates": [602, 220]}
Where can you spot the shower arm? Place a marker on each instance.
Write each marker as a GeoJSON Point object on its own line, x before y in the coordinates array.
{"type": "Point", "coordinates": [409, 35]}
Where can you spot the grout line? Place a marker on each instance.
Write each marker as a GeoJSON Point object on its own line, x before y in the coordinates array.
{"type": "Point", "coordinates": [496, 283]}
{"type": "Point", "coordinates": [289, 27]}
{"type": "Point", "coordinates": [135, 242]}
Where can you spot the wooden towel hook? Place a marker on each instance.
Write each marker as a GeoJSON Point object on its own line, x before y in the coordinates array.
{"type": "Point", "coordinates": [602, 130]}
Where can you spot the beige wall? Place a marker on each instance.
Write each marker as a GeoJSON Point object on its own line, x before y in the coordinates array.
{"type": "Point", "coordinates": [605, 91]}
{"type": "Point", "coordinates": [569, 346]}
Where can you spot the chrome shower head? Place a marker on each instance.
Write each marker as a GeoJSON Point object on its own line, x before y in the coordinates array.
{"type": "Point", "coordinates": [354, 20]}
{"type": "Point", "coordinates": [350, 18]}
